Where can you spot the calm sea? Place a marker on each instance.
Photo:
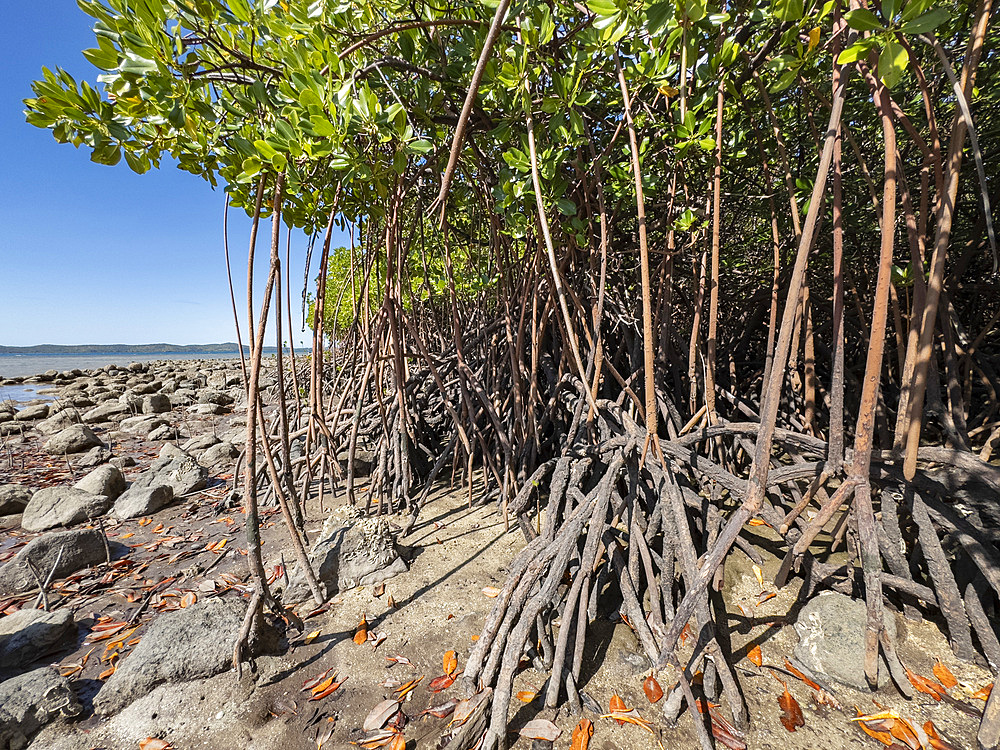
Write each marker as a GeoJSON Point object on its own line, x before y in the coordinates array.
{"type": "Point", "coordinates": [13, 365]}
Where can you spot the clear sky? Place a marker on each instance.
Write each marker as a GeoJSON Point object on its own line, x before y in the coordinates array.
{"type": "Point", "coordinates": [91, 254]}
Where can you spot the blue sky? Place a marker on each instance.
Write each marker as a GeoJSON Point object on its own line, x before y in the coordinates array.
{"type": "Point", "coordinates": [91, 254]}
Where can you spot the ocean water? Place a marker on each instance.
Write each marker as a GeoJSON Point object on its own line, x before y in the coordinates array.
{"type": "Point", "coordinates": [23, 365]}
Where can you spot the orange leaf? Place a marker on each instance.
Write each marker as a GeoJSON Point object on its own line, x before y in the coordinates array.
{"type": "Point", "coordinates": [797, 673]}
{"type": "Point", "coordinates": [685, 634]}
{"type": "Point", "coordinates": [791, 714]}
{"type": "Point", "coordinates": [984, 692]}
{"type": "Point", "coordinates": [944, 675]}
{"type": "Point", "coordinates": [755, 655]}
{"type": "Point", "coordinates": [154, 743]}
{"type": "Point", "coordinates": [450, 662]}
{"type": "Point", "coordinates": [492, 592]}
{"type": "Point", "coordinates": [188, 599]}
{"type": "Point", "coordinates": [652, 689]}
{"type": "Point", "coordinates": [925, 685]}
{"type": "Point", "coordinates": [525, 696]}
{"type": "Point", "coordinates": [106, 673]}
{"type": "Point", "coordinates": [755, 522]}
{"type": "Point", "coordinates": [882, 736]}
{"type": "Point", "coordinates": [935, 739]}
{"type": "Point", "coordinates": [901, 730]}
{"type": "Point", "coordinates": [582, 734]}
{"type": "Point", "coordinates": [398, 742]}
{"type": "Point", "coordinates": [443, 682]}
{"type": "Point", "coordinates": [361, 634]}
{"type": "Point", "coordinates": [322, 694]}
{"type": "Point", "coordinates": [617, 705]}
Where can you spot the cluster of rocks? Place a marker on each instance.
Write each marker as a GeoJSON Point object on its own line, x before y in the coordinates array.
{"type": "Point", "coordinates": [96, 414]}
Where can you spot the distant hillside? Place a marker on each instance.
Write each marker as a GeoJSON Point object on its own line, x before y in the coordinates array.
{"type": "Point", "coordinates": [226, 348]}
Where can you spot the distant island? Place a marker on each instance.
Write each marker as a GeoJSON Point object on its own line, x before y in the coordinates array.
{"type": "Point", "coordinates": [226, 348]}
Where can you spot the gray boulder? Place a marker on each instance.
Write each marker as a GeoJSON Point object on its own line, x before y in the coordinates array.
{"type": "Point", "coordinates": [142, 425]}
{"type": "Point", "coordinates": [220, 454]}
{"type": "Point", "coordinates": [206, 409]}
{"type": "Point", "coordinates": [81, 548]}
{"type": "Point", "coordinates": [175, 468]}
{"type": "Point", "coordinates": [214, 396]}
{"type": "Point", "coordinates": [36, 411]}
{"type": "Point", "coordinates": [831, 630]}
{"type": "Point", "coordinates": [164, 432]}
{"type": "Point", "coordinates": [93, 457]}
{"type": "Point", "coordinates": [29, 634]}
{"type": "Point", "coordinates": [141, 501]}
{"type": "Point", "coordinates": [58, 422]}
{"type": "Point", "coordinates": [109, 409]}
{"type": "Point", "coordinates": [30, 701]}
{"type": "Point", "coordinates": [180, 646]}
{"type": "Point", "coordinates": [13, 498]}
{"type": "Point", "coordinates": [352, 550]}
{"type": "Point", "coordinates": [155, 403]}
{"type": "Point", "coordinates": [62, 506]}
{"type": "Point", "coordinates": [74, 439]}
{"type": "Point", "coordinates": [201, 442]}
{"type": "Point", "coordinates": [105, 480]}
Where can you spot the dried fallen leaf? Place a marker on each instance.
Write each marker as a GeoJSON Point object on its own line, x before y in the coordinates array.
{"type": "Point", "coordinates": [755, 655]}
{"type": "Point", "coordinates": [541, 729]}
{"type": "Point", "coordinates": [983, 693]}
{"type": "Point", "coordinates": [443, 682]}
{"type": "Point", "coordinates": [443, 711]}
{"type": "Point", "coordinates": [758, 574]}
{"type": "Point", "coordinates": [582, 734]}
{"type": "Point", "coordinates": [154, 743]}
{"type": "Point", "coordinates": [526, 696]}
{"type": "Point", "coordinates": [652, 689]}
{"type": "Point", "coordinates": [934, 738]}
{"type": "Point", "coordinates": [325, 732]}
{"type": "Point", "coordinates": [361, 634]}
{"type": "Point", "coordinates": [379, 589]}
{"type": "Point", "coordinates": [379, 715]}
{"type": "Point", "coordinates": [188, 599]}
{"type": "Point", "coordinates": [404, 690]}
{"type": "Point", "coordinates": [491, 591]}
{"type": "Point", "coordinates": [617, 705]}
{"type": "Point", "coordinates": [764, 596]}
{"type": "Point", "coordinates": [312, 637]}
{"type": "Point", "coordinates": [944, 675]}
{"type": "Point", "coordinates": [926, 685]}
{"type": "Point", "coordinates": [107, 673]}
{"type": "Point", "coordinates": [450, 662]}
{"type": "Point", "coordinates": [397, 659]}
{"type": "Point", "coordinates": [879, 732]}
{"type": "Point", "coordinates": [791, 713]}
{"type": "Point", "coordinates": [390, 602]}
{"type": "Point", "coordinates": [311, 683]}
{"type": "Point", "coordinates": [801, 676]}
{"type": "Point", "coordinates": [398, 742]}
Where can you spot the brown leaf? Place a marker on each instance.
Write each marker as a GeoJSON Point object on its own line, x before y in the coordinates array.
{"type": "Point", "coordinates": [877, 733]}
{"type": "Point", "coordinates": [983, 693]}
{"type": "Point", "coordinates": [443, 711]}
{"type": "Point", "coordinates": [361, 634]}
{"type": "Point", "coordinates": [390, 602]}
{"type": "Point", "coordinates": [379, 715]}
{"type": "Point", "coordinates": [188, 599]}
{"type": "Point", "coordinates": [450, 662]}
{"type": "Point", "coordinates": [935, 739]}
{"type": "Point", "coordinates": [379, 589]}
{"type": "Point", "coordinates": [806, 680]}
{"type": "Point", "coordinates": [791, 714]}
{"type": "Point", "coordinates": [901, 730]}
{"type": "Point", "coordinates": [332, 686]}
{"type": "Point", "coordinates": [925, 685]}
{"type": "Point", "coordinates": [652, 689]}
{"type": "Point", "coordinates": [154, 743]}
{"type": "Point", "coordinates": [755, 655]}
{"type": "Point", "coordinates": [325, 732]}
{"type": "Point", "coordinates": [443, 682]}
{"type": "Point", "coordinates": [466, 708]}
{"type": "Point", "coordinates": [582, 734]}
{"type": "Point", "coordinates": [310, 684]}
{"type": "Point", "coordinates": [397, 659]}
{"type": "Point", "coordinates": [398, 742]}
{"type": "Point", "coordinates": [617, 705]}
{"type": "Point", "coordinates": [944, 675]}
{"type": "Point", "coordinates": [540, 729]}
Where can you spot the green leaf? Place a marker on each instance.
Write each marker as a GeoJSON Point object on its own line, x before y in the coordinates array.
{"type": "Point", "coordinates": [265, 149]}
{"type": "Point", "coordinates": [855, 52]}
{"type": "Point", "coordinates": [694, 10]}
{"type": "Point", "coordinates": [914, 8]}
{"type": "Point", "coordinates": [862, 20]}
{"type": "Point", "coordinates": [892, 63]}
{"type": "Point", "coordinates": [659, 15]}
{"type": "Point", "coordinates": [927, 22]}
{"type": "Point", "coordinates": [602, 7]}
{"type": "Point", "coordinates": [788, 10]}
{"type": "Point", "coordinates": [102, 58]}
{"type": "Point", "coordinates": [323, 127]}
{"type": "Point", "coordinates": [279, 162]}
{"type": "Point", "coordinates": [420, 146]}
